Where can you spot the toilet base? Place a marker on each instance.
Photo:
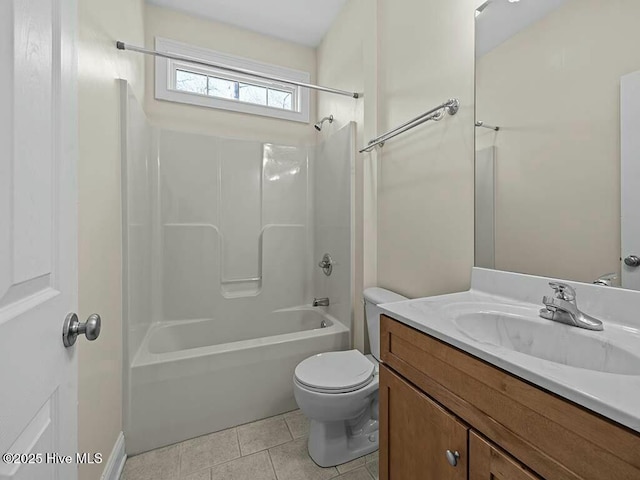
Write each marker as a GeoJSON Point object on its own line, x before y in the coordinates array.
{"type": "Point", "coordinates": [335, 443]}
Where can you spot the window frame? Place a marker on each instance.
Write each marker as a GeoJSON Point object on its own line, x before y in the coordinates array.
{"type": "Point", "coordinates": [165, 79]}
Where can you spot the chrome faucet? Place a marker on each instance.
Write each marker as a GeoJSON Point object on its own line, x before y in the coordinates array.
{"type": "Point", "coordinates": [562, 307]}
{"type": "Point", "coordinates": [321, 302]}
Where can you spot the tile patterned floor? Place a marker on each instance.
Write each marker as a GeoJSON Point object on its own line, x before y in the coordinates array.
{"type": "Point", "coordinates": [271, 449]}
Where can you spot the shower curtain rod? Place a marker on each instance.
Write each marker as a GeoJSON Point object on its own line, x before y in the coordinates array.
{"type": "Point", "coordinates": [197, 61]}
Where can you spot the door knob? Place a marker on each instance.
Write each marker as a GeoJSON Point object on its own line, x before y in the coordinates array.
{"type": "Point", "coordinates": [72, 328]}
{"type": "Point", "coordinates": [632, 261]}
{"type": "Point", "coordinates": [452, 458]}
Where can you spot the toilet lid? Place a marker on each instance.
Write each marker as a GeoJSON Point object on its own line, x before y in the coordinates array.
{"type": "Point", "coordinates": [335, 372]}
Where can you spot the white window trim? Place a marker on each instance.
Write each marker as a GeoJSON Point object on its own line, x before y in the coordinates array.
{"type": "Point", "coordinates": [165, 88]}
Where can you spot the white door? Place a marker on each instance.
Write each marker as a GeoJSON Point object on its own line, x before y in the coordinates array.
{"type": "Point", "coordinates": [630, 181]}
{"type": "Point", "coordinates": [38, 286]}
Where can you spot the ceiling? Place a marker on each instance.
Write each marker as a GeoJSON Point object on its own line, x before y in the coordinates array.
{"type": "Point", "coordinates": [300, 21]}
{"type": "Point", "coordinates": [501, 20]}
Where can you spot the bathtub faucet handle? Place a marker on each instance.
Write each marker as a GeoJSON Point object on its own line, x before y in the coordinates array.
{"type": "Point", "coordinates": [326, 264]}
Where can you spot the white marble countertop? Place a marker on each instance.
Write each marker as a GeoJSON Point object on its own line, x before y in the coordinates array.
{"type": "Point", "coordinates": [613, 395]}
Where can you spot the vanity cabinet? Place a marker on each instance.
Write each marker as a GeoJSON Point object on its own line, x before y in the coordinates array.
{"type": "Point", "coordinates": [418, 432]}
{"type": "Point", "coordinates": [434, 398]}
{"type": "Point", "coordinates": [421, 440]}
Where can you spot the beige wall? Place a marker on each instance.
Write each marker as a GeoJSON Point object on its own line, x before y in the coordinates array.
{"type": "Point", "coordinates": [347, 60]}
{"type": "Point", "coordinates": [100, 236]}
{"type": "Point", "coordinates": [425, 196]}
{"type": "Point", "coordinates": [414, 200]}
{"type": "Point", "coordinates": [554, 90]}
{"type": "Point", "coordinates": [225, 38]}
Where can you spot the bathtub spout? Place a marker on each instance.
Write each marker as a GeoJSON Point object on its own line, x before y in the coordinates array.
{"type": "Point", "coordinates": [320, 302]}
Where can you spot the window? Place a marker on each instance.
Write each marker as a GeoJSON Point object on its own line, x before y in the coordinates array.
{"type": "Point", "coordinates": [224, 86]}
{"type": "Point", "coordinates": [185, 82]}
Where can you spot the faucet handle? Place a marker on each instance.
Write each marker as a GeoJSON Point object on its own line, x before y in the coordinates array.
{"type": "Point", "coordinates": [563, 291]}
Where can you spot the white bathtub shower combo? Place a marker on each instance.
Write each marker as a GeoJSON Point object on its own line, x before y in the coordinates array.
{"type": "Point", "coordinates": [222, 239]}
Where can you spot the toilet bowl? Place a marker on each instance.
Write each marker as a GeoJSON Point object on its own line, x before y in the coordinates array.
{"type": "Point", "coordinates": [338, 392]}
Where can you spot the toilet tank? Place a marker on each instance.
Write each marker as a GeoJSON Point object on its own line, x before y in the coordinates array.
{"type": "Point", "coordinates": [372, 298]}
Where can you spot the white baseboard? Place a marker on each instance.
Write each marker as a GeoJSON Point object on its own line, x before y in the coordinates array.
{"type": "Point", "coordinates": [115, 462]}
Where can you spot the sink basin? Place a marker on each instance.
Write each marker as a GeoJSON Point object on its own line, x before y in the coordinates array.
{"type": "Point", "coordinates": [548, 340]}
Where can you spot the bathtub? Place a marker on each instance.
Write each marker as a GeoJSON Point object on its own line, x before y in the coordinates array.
{"type": "Point", "coordinates": [194, 377]}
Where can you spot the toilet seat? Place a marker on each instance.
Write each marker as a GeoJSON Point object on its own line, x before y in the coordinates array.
{"type": "Point", "coordinates": [335, 372]}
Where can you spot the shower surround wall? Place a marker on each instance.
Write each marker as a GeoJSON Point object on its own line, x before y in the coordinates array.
{"type": "Point", "coordinates": [139, 151]}
{"type": "Point", "coordinates": [232, 212]}
{"type": "Point", "coordinates": [333, 211]}
{"type": "Point", "coordinates": [222, 241]}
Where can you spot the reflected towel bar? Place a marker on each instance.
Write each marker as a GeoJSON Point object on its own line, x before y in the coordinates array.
{"type": "Point", "coordinates": [243, 71]}
{"type": "Point", "coordinates": [451, 107]}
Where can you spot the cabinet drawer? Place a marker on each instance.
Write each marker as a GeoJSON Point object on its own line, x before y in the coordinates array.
{"type": "Point", "coordinates": [554, 437]}
{"type": "Point", "coordinates": [416, 434]}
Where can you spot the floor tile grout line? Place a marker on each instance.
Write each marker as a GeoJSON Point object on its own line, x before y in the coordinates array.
{"type": "Point", "coordinates": [180, 446]}
{"type": "Point", "coordinates": [289, 428]}
{"type": "Point", "coordinates": [272, 446]}
{"type": "Point", "coordinates": [238, 442]}
{"type": "Point", "coordinates": [263, 419]}
{"type": "Point", "coordinates": [199, 471]}
{"type": "Point", "coordinates": [370, 472]}
{"type": "Point", "coordinates": [267, 448]}
{"type": "Point", "coordinates": [211, 467]}
{"type": "Point", "coordinates": [273, 468]}
{"type": "Point", "coordinates": [371, 477]}
{"type": "Point", "coordinates": [281, 416]}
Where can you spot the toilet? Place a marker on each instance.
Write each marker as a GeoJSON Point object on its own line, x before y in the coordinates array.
{"type": "Point", "coordinates": [338, 392]}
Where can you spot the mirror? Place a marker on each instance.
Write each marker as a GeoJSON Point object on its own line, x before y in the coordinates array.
{"type": "Point", "coordinates": [557, 110]}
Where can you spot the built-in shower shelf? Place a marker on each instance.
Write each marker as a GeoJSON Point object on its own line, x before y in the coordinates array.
{"type": "Point", "coordinates": [248, 287]}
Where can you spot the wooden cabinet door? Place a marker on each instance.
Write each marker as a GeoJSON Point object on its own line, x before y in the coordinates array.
{"type": "Point", "coordinates": [415, 434]}
{"type": "Point", "coordinates": [488, 463]}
